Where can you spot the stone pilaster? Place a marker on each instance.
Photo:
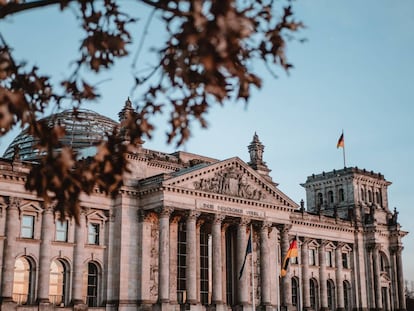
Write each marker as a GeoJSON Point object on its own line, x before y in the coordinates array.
{"type": "Point", "coordinates": [78, 258]}
{"type": "Point", "coordinates": [376, 274]}
{"type": "Point", "coordinates": [323, 277]}
{"type": "Point", "coordinates": [44, 261]}
{"type": "Point", "coordinates": [339, 278]}
{"type": "Point", "coordinates": [305, 275]}
{"type": "Point", "coordinates": [164, 255]}
{"type": "Point", "coordinates": [400, 276]}
{"type": "Point", "coordinates": [12, 232]}
{"type": "Point", "coordinates": [191, 275]}
{"type": "Point", "coordinates": [173, 258]}
{"type": "Point", "coordinates": [147, 220]}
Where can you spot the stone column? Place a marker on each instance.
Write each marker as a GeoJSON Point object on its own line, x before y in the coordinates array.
{"type": "Point", "coordinates": [164, 255]}
{"type": "Point", "coordinates": [370, 297]}
{"type": "Point", "coordinates": [286, 301]}
{"type": "Point", "coordinates": [173, 258]}
{"type": "Point", "coordinates": [339, 278]}
{"type": "Point", "coordinates": [323, 277]}
{"type": "Point", "coordinates": [217, 295]}
{"type": "Point", "coordinates": [400, 277]}
{"type": "Point", "coordinates": [224, 227]}
{"type": "Point", "coordinates": [377, 282]}
{"type": "Point", "coordinates": [191, 259]}
{"type": "Point", "coordinates": [305, 275]}
{"type": "Point", "coordinates": [78, 258]}
{"type": "Point", "coordinates": [274, 269]}
{"type": "Point", "coordinates": [265, 264]}
{"type": "Point", "coordinates": [241, 251]}
{"type": "Point", "coordinates": [12, 232]}
{"type": "Point", "coordinates": [44, 261]}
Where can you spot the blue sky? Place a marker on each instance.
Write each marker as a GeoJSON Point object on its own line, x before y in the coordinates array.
{"type": "Point", "coordinates": [354, 73]}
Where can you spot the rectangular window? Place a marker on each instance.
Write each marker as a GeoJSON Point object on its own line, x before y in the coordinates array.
{"type": "Point", "coordinates": [62, 231]}
{"type": "Point", "coordinates": [345, 263]}
{"type": "Point", "coordinates": [294, 292]}
{"type": "Point", "coordinates": [27, 229]}
{"type": "Point", "coordinates": [329, 259]}
{"type": "Point", "coordinates": [312, 257]}
{"type": "Point", "coordinates": [93, 234]}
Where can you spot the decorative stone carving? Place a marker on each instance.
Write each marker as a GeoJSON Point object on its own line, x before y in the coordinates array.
{"type": "Point", "coordinates": [230, 181]}
{"type": "Point", "coordinates": [154, 261]}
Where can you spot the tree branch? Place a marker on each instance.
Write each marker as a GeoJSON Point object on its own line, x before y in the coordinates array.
{"type": "Point", "coordinates": [16, 7]}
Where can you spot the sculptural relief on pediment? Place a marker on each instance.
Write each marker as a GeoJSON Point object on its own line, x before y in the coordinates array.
{"type": "Point", "coordinates": [232, 182]}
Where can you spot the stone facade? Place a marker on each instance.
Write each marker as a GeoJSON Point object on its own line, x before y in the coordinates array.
{"type": "Point", "coordinates": [175, 238]}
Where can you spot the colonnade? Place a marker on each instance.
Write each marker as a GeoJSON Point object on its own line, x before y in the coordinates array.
{"type": "Point", "coordinates": [218, 230]}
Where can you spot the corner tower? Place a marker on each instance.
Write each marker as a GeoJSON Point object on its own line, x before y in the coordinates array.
{"type": "Point", "coordinates": [338, 192]}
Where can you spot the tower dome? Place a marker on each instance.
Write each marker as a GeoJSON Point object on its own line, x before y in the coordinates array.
{"type": "Point", "coordinates": [84, 128]}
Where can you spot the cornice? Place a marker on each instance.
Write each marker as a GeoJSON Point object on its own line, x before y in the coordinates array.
{"type": "Point", "coordinates": [221, 197]}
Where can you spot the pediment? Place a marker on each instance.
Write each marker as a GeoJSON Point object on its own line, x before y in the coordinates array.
{"type": "Point", "coordinates": [96, 216]}
{"type": "Point", "coordinates": [313, 244]}
{"type": "Point", "coordinates": [30, 207]}
{"type": "Point", "coordinates": [233, 178]}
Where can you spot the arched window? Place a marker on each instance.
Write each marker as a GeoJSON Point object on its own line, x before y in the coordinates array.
{"type": "Point", "coordinates": [330, 196]}
{"type": "Point", "coordinates": [313, 294]}
{"type": "Point", "coordinates": [330, 291]}
{"type": "Point", "coordinates": [23, 281]}
{"type": "Point", "coordinates": [377, 197]}
{"type": "Point", "coordinates": [320, 199]}
{"type": "Point", "coordinates": [341, 195]}
{"type": "Point", "coordinates": [295, 291]}
{"type": "Point", "coordinates": [204, 265]}
{"type": "Point", "coordinates": [347, 295]}
{"type": "Point", "coordinates": [58, 287]}
{"type": "Point", "coordinates": [383, 262]}
{"type": "Point", "coordinates": [92, 285]}
{"type": "Point", "coordinates": [362, 194]}
{"type": "Point", "coordinates": [369, 196]}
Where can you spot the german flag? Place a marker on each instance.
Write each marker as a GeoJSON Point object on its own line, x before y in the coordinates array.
{"type": "Point", "coordinates": [291, 253]}
{"type": "Point", "coordinates": [341, 141]}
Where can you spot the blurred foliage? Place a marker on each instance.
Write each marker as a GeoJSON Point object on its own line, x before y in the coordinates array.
{"type": "Point", "coordinates": [207, 59]}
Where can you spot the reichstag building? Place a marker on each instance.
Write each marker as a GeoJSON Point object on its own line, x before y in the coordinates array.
{"type": "Point", "coordinates": [176, 236]}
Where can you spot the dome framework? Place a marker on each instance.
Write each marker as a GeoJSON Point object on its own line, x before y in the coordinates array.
{"type": "Point", "coordinates": [84, 128]}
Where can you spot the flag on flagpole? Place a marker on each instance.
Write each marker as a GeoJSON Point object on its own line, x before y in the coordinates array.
{"type": "Point", "coordinates": [248, 251]}
{"type": "Point", "coordinates": [291, 253]}
{"type": "Point", "coordinates": [341, 141]}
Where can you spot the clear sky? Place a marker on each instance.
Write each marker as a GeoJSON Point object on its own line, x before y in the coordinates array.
{"type": "Point", "coordinates": [354, 73]}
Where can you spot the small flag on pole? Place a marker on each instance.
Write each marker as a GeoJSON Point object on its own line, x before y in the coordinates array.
{"type": "Point", "coordinates": [291, 253]}
{"type": "Point", "coordinates": [248, 251]}
{"type": "Point", "coordinates": [341, 141]}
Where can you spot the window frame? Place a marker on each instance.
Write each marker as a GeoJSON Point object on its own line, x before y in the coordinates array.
{"type": "Point", "coordinates": [29, 276]}
{"type": "Point", "coordinates": [94, 234]}
{"type": "Point", "coordinates": [64, 230]}
{"type": "Point", "coordinates": [23, 227]}
{"type": "Point", "coordinates": [294, 291]}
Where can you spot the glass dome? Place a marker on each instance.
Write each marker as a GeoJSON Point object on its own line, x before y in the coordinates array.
{"type": "Point", "coordinates": [84, 129]}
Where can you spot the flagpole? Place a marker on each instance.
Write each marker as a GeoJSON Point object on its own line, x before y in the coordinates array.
{"type": "Point", "coordinates": [343, 151]}
{"type": "Point", "coordinates": [253, 296]}
{"type": "Point", "coordinates": [299, 274]}
{"type": "Point", "coordinates": [279, 276]}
